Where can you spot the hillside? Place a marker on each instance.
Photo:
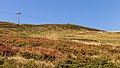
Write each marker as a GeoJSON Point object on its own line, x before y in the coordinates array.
{"type": "Point", "coordinates": [57, 46]}
{"type": "Point", "coordinates": [61, 27]}
{"type": "Point", "coordinates": [57, 27]}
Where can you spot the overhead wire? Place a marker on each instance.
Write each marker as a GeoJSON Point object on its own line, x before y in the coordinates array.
{"type": "Point", "coordinates": [38, 18]}
{"type": "Point", "coordinates": [6, 12]}
{"type": "Point", "coordinates": [31, 17]}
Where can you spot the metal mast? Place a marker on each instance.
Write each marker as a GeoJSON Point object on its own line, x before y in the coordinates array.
{"type": "Point", "coordinates": [18, 17]}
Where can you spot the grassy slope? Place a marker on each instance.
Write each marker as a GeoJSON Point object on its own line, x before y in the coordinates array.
{"type": "Point", "coordinates": [73, 32]}
{"type": "Point", "coordinates": [57, 46]}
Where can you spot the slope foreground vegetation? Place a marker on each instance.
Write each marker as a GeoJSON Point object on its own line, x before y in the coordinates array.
{"type": "Point", "coordinates": [57, 46]}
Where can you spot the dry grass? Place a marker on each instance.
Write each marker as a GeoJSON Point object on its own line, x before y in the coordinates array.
{"type": "Point", "coordinates": [59, 46]}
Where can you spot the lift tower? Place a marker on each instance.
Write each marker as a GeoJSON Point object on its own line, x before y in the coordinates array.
{"type": "Point", "coordinates": [18, 17]}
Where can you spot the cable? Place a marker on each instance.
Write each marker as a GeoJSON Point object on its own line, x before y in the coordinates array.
{"type": "Point", "coordinates": [6, 12]}
{"type": "Point", "coordinates": [38, 18]}
{"type": "Point", "coordinates": [30, 16]}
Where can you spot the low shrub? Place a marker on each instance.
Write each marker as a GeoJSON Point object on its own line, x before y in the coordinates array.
{"type": "Point", "coordinates": [27, 44]}
{"type": "Point", "coordinates": [29, 55]}
{"type": "Point", "coordinates": [1, 60]}
{"type": "Point", "coordinates": [74, 64]}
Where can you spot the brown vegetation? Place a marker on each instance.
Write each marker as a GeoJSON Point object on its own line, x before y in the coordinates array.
{"type": "Point", "coordinates": [49, 53]}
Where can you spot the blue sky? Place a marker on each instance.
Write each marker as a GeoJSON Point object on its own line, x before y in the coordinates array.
{"type": "Point", "coordinates": [101, 14]}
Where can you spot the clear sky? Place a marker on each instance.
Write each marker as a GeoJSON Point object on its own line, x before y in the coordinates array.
{"type": "Point", "coordinates": [101, 14]}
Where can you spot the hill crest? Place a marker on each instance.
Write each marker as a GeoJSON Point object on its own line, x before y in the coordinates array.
{"type": "Point", "coordinates": [57, 27]}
